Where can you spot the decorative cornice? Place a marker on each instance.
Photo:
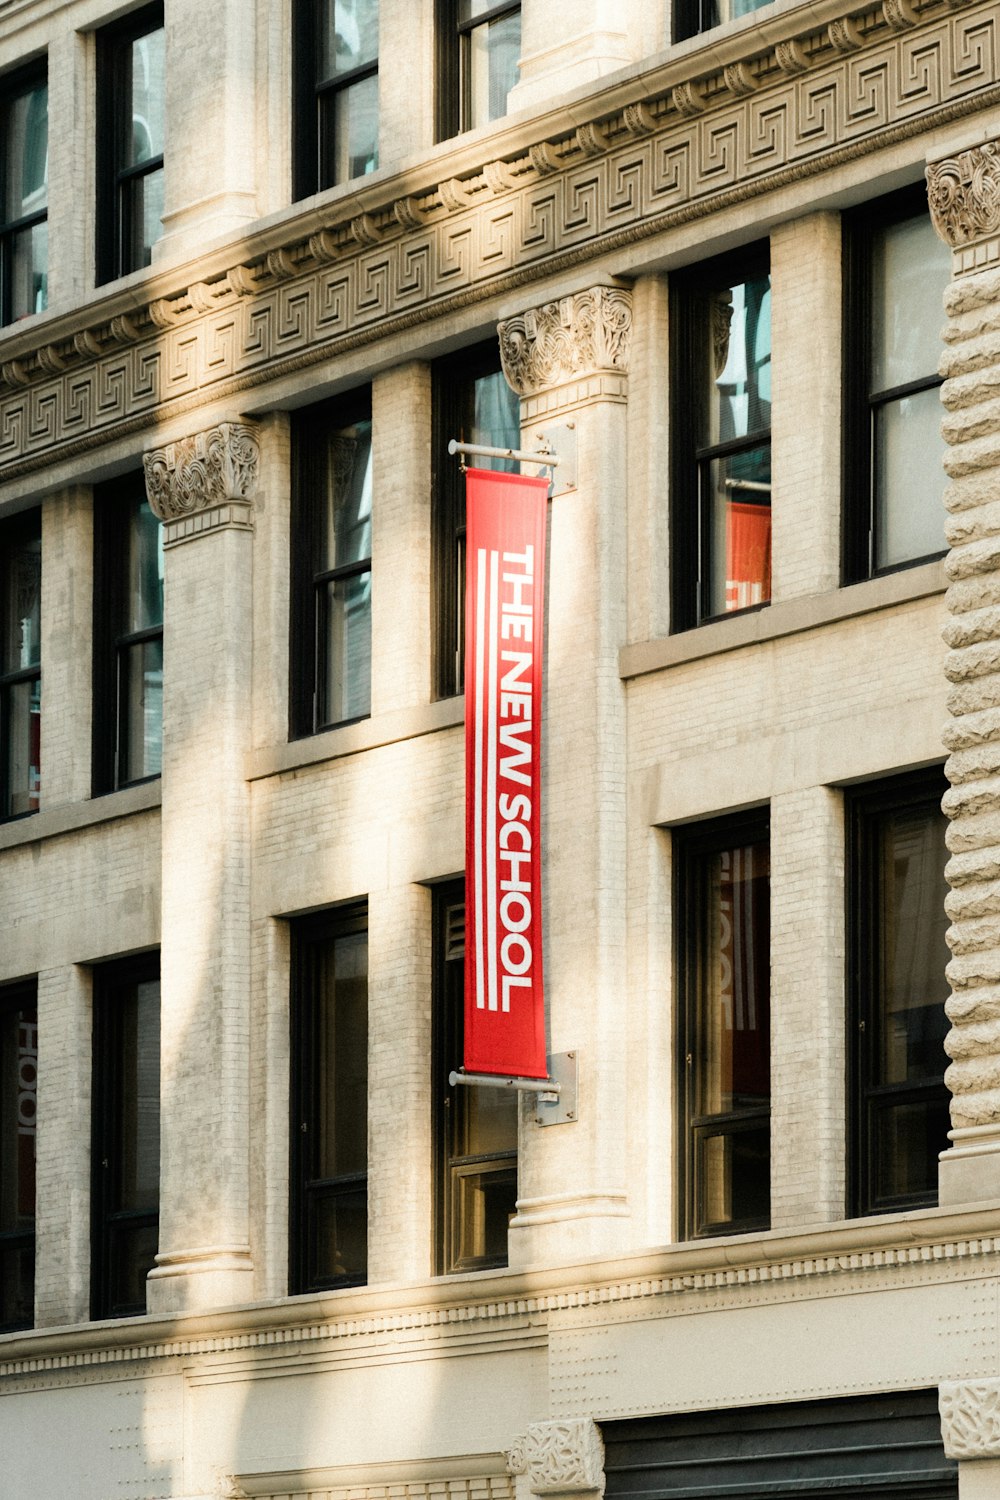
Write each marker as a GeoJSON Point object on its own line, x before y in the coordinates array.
{"type": "Point", "coordinates": [970, 1419]}
{"type": "Point", "coordinates": [964, 195]}
{"type": "Point", "coordinates": [782, 101]}
{"type": "Point", "coordinates": [560, 1458]}
{"type": "Point", "coordinates": [569, 340]}
{"type": "Point", "coordinates": [204, 481]}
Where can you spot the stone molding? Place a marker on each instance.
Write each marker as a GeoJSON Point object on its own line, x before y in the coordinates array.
{"type": "Point", "coordinates": [560, 1458]}
{"type": "Point", "coordinates": [205, 482]}
{"type": "Point", "coordinates": [571, 340]}
{"type": "Point", "coordinates": [970, 1419]}
{"type": "Point", "coordinates": [342, 278]}
{"type": "Point", "coordinates": [964, 196]}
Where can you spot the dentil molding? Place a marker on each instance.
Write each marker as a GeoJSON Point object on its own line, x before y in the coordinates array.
{"type": "Point", "coordinates": [560, 1457]}
{"type": "Point", "coordinates": [579, 336]}
{"type": "Point", "coordinates": [204, 481]}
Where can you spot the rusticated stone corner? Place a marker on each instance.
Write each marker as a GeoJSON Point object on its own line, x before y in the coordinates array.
{"type": "Point", "coordinates": [198, 473]}
{"type": "Point", "coordinates": [583, 335]}
{"type": "Point", "coordinates": [963, 192]}
{"type": "Point", "coordinates": [560, 1457]}
{"type": "Point", "coordinates": [970, 1419]}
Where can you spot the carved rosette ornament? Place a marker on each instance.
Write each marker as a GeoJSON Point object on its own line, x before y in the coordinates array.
{"type": "Point", "coordinates": [970, 1419]}
{"type": "Point", "coordinates": [586, 334]}
{"type": "Point", "coordinates": [209, 471]}
{"type": "Point", "coordinates": [560, 1458]}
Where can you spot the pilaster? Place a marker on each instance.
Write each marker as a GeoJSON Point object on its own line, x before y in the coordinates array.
{"type": "Point", "coordinates": [970, 1428]}
{"type": "Point", "coordinates": [964, 196]}
{"type": "Point", "coordinates": [559, 1458]}
{"type": "Point", "coordinates": [556, 57]}
{"type": "Point", "coordinates": [67, 646]}
{"type": "Point", "coordinates": [203, 490]}
{"type": "Point", "coordinates": [568, 361]}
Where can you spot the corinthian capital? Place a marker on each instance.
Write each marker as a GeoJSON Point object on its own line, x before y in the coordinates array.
{"type": "Point", "coordinates": [964, 195]}
{"type": "Point", "coordinates": [202, 472]}
{"type": "Point", "coordinates": [583, 335]}
{"type": "Point", "coordinates": [560, 1457]}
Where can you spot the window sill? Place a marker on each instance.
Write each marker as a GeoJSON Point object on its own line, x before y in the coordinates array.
{"type": "Point", "coordinates": [352, 739]}
{"type": "Point", "coordinates": [790, 617]}
{"type": "Point", "coordinates": [70, 816]}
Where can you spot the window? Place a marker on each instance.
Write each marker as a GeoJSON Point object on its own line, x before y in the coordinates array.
{"type": "Point", "coordinates": [897, 926]}
{"type": "Point", "coordinates": [126, 1135]}
{"type": "Point", "coordinates": [475, 1129]}
{"type": "Point", "coordinates": [24, 233]}
{"type": "Point", "coordinates": [473, 403]}
{"type": "Point", "coordinates": [18, 1105]}
{"type": "Point", "coordinates": [694, 16]}
{"type": "Point", "coordinates": [724, 959]}
{"type": "Point", "coordinates": [128, 636]}
{"type": "Point", "coordinates": [130, 143]}
{"type": "Point", "coordinates": [331, 627]}
{"type": "Point", "coordinates": [721, 438]}
{"type": "Point", "coordinates": [335, 47]}
{"type": "Point", "coordinates": [20, 664]}
{"type": "Point", "coordinates": [479, 48]}
{"type": "Point", "coordinates": [895, 273]}
{"type": "Point", "coordinates": [329, 1123]}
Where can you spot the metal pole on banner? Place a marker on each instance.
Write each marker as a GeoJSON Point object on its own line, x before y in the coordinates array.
{"type": "Point", "coordinates": [545, 460]}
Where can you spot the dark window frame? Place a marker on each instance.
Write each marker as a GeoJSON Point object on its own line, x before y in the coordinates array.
{"type": "Point", "coordinates": [453, 42]}
{"type": "Point", "coordinates": [109, 730]}
{"type": "Point", "coordinates": [116, 255]}
{"type": "Point", "coordinates": [311, 428]}
{"type": "Point", "coordinates": [449, 1102]}
{"type": "Point", "coordinates": [306, 1191]}
{"type": "Point", "coordinates": [19, 996]}
{"type": "Point", "coordinates": [690, 500]}
{"type": "Point", "coordinates": [15, 84]}
{"type": "Point", "coordinates": [112, 983]}
{"type": "Point", "coordinates": [860, 403]}
{"type": "Point", "coordinates": [923, 788]}
{"type": "Point", "coordinates": [692, 845]}
{"type": "Point", "coordinates": [694, 18]}
{"type": "Point", "coordinates": [25, 523]}
{"type": "Point", "coordinates": [314, 103]}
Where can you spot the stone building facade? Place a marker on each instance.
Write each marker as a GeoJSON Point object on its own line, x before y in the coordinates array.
{"type": "Point", "coordinates": [259, 261]}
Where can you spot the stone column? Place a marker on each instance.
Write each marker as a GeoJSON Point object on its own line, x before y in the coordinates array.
{"type": "Point", "coordinates": [964, 195]}
{"type": "Point", "coordinates": [202, 489]}
{"type": "Point", "coordinates": [559, 1458]}
{"type": "Point", "coordinates": [603, 36]}
{"type": "Point", "coordinates": [568, 361]}
{"type": "Point", "coordinates": [67, 646]}
{"type": "Point", "coordinates": [62, 1231]}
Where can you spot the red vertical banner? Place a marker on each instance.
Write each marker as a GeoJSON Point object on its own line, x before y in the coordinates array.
{"type": "Point", "coordinates": [504, 615]}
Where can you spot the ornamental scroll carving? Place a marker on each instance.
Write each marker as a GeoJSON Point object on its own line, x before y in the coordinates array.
{"type": "Point", "coordinates": [205, 470]}
{"type": "Point", "coordinates": [560, 1457]}
{"type": "Point", "coordinates": [964, 195]}
{"type": "Point", "coordinates": [561, 341]}
{"type": "Point", "coordinates": [970, 1419]}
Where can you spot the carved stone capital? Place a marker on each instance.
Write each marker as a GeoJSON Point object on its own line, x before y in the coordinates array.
{"type": "Point", "coordinates": [964, 195]}
{"type": "Point", "coordinates": [208, 470]}
{"type": "Point", "coordinates": [560, 1457]}
{"type": "Point", "coordinates": [970, 1419]}
{"type": "Point", "coordinates": [580, 336]}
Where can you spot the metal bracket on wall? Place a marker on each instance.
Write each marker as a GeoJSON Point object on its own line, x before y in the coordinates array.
{"type": "Point", "coordinates": [562, 1109]}
{"type": "Point", "coordinates": [561, 440]}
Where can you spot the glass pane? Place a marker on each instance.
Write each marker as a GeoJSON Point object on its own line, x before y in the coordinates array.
{"type": "Point", "coordinates": [353, 141]}
{"type": "Point", "coordinates": [29, 271]}
{"type": "Point", "coordinates": [21, 586]}
{"type": "Point", "coordinates": [910, 270]}
{"type": "Point", "coordinates": [483, 1204]}
{"type": "Point", "coordinates": [342, 1046]}
{"type": "Point", "coordinates": [142, 211]}
{"type": "Point", "coordinates": [909, 1139]}
{"type": "Point", "coordinates": [489, 1121]}
{"type": "Point", "coordinates": [145, 138]}
{"type": "Point", "coordinates": [345, 649]}
{"type": "Point", "coordinates": [733, 1178]}
{"type": "Point", "coordinates": [909, 479]}
{"type": "Point", "coordinates": [140, 1099]}
{"type": "Point", "coordinates": [739, 391]}
{"type": "Point", "coordinates": [133, 1254]}
{"type": "Point", "coordinates": [914, 953]}
{"type": "Point", "coordinates": [339, 1246]}
{"type": "Point", "coordinates": [27, 154]}
{"type": "Point", "coordinates": [145, 570]}
{"type": "Point", "coordinates": [23, 734]}
{"type": "Point", "coordinates": [348, 527]}
{"type": "Point", "coordinates": [17, 1286]}
{"type": "Point", "coordinates": [142, 707]}
{"type": "Point", "coordinates": [496, 420]}
{"type": "Point", "coordinates": [733, 1030]}
{"type": "Point", "coordinates": [493, 53]}
{"type": "Point", "coordinates": [18, 1108]}
{"type": "Point", "coordinates": [739, 561]}
{"type": "Point", "coordinates": [348, 36]}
